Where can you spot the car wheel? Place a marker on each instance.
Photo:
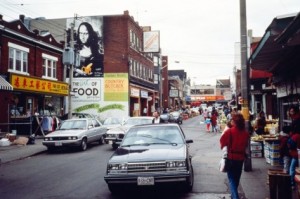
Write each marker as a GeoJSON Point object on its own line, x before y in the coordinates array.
{"type": "Point", "coordinates": [101, 140]}
{"type": "Point", "coordinates": [50, 148]}
{"type": "Point", "coordinates": [189, 181]}
{"type": "Point", "coordinates": [83, 145]}
{"type": "Point", "coordinates": [114, 146]}
{"type": "Point", "coordinates": [114, 189]}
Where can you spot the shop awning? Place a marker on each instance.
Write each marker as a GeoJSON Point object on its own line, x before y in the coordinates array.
{"type": "Point", "coordinates": [4, 85]}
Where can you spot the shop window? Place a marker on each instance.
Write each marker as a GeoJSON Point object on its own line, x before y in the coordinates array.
{"type": "Point", "coordinates": [18, 58]}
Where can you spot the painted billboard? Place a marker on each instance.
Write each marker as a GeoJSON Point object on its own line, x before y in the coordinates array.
{"type": "Point", "coordinates": [94, 92]}
{"type": "Point", "coordinates": [89, 44]}
{"type": "Point", "coordinates": [151, 42]}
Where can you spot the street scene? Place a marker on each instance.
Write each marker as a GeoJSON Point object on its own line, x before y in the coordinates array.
{"type": "Point", "coordinates": [74, 174]}
{"type": "Point", "coordinates": [150, 99]}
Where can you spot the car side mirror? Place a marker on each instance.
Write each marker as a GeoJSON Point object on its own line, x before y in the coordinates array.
{"type": "Point", "coordinates": [90, 127]}
{"type": "Point", "coordinates": [189, 141]}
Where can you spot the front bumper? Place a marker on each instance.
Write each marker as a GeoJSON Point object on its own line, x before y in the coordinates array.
{"type": "Point", "coordinates": [62, 143]}
{"type": "Point", "coordinates": [166, 177]}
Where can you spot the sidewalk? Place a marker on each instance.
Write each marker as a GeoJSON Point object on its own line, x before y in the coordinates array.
{"type": "Point", "coordinates": [16, 152]}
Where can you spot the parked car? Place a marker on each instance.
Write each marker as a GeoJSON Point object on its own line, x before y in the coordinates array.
{"type": "Point", "coordinates": [166, 117]}
{"type": "Point", "coordinates": [77, 115]}
{"type": "Point", "coordinates": [115, 135]}
{"type": "Point", "coordinates": [111, 122]}
{"type": "Point", "coordinates": [75, 133]}
{"type": "Point", "coordinates": [151, 155]}
{"type": "Point", "coordinates": [176, 117]}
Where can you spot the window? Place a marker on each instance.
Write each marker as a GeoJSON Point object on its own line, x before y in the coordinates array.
{"type": "Point", "coordinates": [49, 66]}
{"type": "Point", "coordinates": [18, 58]}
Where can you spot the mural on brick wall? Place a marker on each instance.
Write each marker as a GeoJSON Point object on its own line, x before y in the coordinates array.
{"type": "Point", "coordinates": [104, 95]}
{"type": "Point", "coordinates": [89, 44]}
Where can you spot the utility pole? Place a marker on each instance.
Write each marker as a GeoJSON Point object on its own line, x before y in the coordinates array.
{"type": "Point", "coordinates": [244, 76]}
{"type": "Point", "coordinates": [71, 71]}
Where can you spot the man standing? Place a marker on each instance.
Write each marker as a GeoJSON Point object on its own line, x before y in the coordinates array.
{"type": "Point", "coordinates": [156, 119]}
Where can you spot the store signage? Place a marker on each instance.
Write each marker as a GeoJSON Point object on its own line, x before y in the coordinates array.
{"type": "Point", "coordinates": [144, 94]}
{"type": "Point", "coordinates": [174, 93]}
{"type": "Point", "coordinates": [207, 98]}
{"type": "Point", "coordinates": [86, 89]}
{"type": "Point", "coordinates": [151, 42]}
{"type": "Point", "coordinates": [34, 84]}
{"type": "Point", "coordinates": [134, 92]}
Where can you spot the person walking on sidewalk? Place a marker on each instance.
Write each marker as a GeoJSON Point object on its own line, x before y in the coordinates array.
{"type": "Point", "coordinates": [294, 145]}
{"type": "Point", "coordinates": [236, 140]}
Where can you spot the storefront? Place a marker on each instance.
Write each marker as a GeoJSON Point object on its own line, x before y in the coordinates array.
{"type": "Point", "coordinates": [32, 100]}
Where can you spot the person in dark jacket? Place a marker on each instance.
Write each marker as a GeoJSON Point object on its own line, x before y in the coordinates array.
{"type": "Point", "coordinates": [236, 140]}
{"type": "Point", "coordinates": [157, 119]}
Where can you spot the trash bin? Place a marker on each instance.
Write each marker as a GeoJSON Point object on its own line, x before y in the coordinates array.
{"type": "Point", "coordinates": [279, 184]}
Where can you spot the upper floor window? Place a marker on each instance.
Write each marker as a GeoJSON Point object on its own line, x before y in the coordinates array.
{"type": "Point", "coordinates": [49, 66]}
{"type": "Point", "coordinates": [18, 58]}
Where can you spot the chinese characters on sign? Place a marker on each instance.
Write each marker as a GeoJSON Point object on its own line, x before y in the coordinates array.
{"type": "Point", "coordinates": [38, 85]}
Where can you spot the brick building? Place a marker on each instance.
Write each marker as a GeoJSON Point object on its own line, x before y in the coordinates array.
{"type": "Point", "coordinates": [31, 66]}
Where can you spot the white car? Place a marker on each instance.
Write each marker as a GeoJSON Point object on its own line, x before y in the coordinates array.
{"type": "Point", "coordinates": [115, 135]}
{"type": "Point", "coordinates": [111, 122]}
{"type": "Point", "coordinates": [75, 133]}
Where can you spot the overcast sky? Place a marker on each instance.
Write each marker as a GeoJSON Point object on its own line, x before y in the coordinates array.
{"type": "Point", "coordinates": [197, 36]}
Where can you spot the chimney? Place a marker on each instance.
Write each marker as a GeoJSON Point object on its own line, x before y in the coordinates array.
{"type": "Point", "coordinates": [36, 31]}
{"type": "Point", "coordinates": [126, 12]}
{"type": "Point", "coordinates": [22, 17]}
{"type": "Point", "coordinates": [1, 17]}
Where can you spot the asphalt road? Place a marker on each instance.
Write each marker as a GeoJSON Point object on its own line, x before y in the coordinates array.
{"type": "Point", "coordinates": [74, 174]}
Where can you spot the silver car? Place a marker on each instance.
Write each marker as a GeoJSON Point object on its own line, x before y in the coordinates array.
{"type": "Point", "coordinates": [76, 133]}
{"type": "Point", "coordinates": [115, 135]}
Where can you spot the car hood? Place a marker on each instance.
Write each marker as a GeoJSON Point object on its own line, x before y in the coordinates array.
{"type": "Point", "coordinates": [149, 153]}
{"type": "Point", "coordinates": [118, 130]}
{"type": "Point", "coordinates": [72, 132]}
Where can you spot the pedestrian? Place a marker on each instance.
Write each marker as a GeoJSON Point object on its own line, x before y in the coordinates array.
{"type": "Point", "coordinates": [294, 114]}
{"type": "Point", "coordinates": [260, 123]}
{"type": "Point", "coordinates": [214, 118]}
{"type": "Point", "coordinates": [236, 140]}
{"type": "Point", "coordinates": [157, 119]}
{"type": "Point", "coordinates": [294, 145]}
{"type": "Point", "coordinates": [205, 114]}
{"type": "Point", "coordinates": [284, 149]}
{"type": "Point", "coordinates": [207, 122]}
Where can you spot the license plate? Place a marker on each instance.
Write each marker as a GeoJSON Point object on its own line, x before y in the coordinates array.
{"type": "Point", "coordinates": [110, 142]}
{"type": "Point", "coordinates": [145, 181]}
{"type": "Point", "coordinates": [58, 143]}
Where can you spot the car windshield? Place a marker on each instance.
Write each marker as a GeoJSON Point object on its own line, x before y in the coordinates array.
{"type": "Point", "coordinates": [138, 121]}
{"type": "Point", "coordinates": [175, 114]}
{"type": "Point", "coordinates": [153, 135]}
{"type": "Point", "coordinates": [73, 124]}
{"type": "Point", "coordinates": [109, 121]}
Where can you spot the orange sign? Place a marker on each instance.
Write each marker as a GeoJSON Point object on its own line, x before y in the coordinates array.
{"type": "Point", "coordinates": [33, 84]}
{"type": "Point", "coordinates": [207, 98]}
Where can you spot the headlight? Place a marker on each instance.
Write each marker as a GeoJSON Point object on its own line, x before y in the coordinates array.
{"type": "Point", "coordinates": [72, 138]}
{"type": "Point", "coordinates": [117, 168]}
{"type": "Point", "coordinates": [48, 139]}
{"type": "Point", "coordinates": [176, 164]}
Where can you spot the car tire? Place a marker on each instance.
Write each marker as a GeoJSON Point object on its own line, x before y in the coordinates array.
{"type": "Point", "coordinates": [114, 189]}
{"type": "Point", "coordinates": [189, 181]}
{"type": "Point", "coordinates": [83, 145]}
{"type": "Point", "coordinates": [114, 146]}
{"type": "Point", "coordinates": [50, 148]}
{"type": "Point", "coordinates": [101, 140]}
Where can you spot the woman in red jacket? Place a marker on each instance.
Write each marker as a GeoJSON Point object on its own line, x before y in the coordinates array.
{"type": "Point", "coordinates": [236, 140]}
{"type": "Point", "coordinates": [294, 145]}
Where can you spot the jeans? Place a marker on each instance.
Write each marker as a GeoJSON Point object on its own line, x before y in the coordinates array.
{"type": "Point", "coordinates": [294, 164]}
{"type": "Point", "coordinates": [234, 176]}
